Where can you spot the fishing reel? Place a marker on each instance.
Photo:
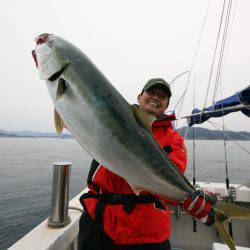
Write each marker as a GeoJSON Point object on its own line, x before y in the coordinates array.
{"type": "Point", "coordinates": [228, 195]}
{"type": "Point", "coordinates": [231, 195]}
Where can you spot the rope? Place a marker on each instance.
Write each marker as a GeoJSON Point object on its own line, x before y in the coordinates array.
{"type": "Point", "coordinates": [181, 100]}
{"type": "Point", "coordinates": [77, 209]}
{"type": "Point", "coordinates": [239, 133]}
{"type": "Point", "coordinates": [225, 54]}
{"type": "Point", "coordinates": [218, 74]}
{"type": "Point", "coordinates": [215, 51]}
{"type": "Point", "coordinates": [178, 76]}
{"type": "Point", "coordinates": [232, 139]}
{"type": "Point", "coordinates": [245, 184]}
{"type": "Point", "coordinates": [237, 107]}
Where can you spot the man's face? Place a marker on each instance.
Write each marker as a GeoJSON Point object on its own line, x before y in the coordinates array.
{"type": "Point", "coordinates": [154, 100]}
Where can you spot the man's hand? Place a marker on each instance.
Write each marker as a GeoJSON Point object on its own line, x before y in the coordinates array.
{"type": "Point", "coordinates": [199, 206]}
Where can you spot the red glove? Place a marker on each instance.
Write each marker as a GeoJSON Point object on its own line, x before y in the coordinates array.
{"type": "Point", "coordinates": [199, 206]}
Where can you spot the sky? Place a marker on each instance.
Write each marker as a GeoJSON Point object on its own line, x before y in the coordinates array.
{"type": "Point", "coordinates": [130, 42]}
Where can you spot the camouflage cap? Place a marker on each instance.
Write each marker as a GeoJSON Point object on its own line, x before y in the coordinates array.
{"type": "Point", "coordinates": [158, 81]}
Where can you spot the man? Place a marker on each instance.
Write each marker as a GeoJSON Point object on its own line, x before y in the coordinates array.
{"type": "Point", "coordinates": [115, 217]}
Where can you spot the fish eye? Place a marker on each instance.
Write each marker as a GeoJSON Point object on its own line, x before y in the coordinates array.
{"type": "Point", "coordinates": [42, 38]}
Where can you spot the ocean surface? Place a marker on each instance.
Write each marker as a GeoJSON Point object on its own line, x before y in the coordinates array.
{"type": "Point", "coordinates": [26, 176]}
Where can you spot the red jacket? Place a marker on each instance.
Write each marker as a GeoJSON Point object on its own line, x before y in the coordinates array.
{"type": "Point", "coordinates": [146, 223]}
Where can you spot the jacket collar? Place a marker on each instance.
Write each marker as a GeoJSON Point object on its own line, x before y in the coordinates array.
{"type": "Point", "coordinates": [164, 120]}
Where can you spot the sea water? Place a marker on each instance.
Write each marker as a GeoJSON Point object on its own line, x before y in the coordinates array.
{"type": "Point", "coordinates": [26, 169]}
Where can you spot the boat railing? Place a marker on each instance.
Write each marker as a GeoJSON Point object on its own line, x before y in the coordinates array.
{"type": "Point", "coordinates": [60, 231]}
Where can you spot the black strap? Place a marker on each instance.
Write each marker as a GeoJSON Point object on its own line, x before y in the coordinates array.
{"type": "Point", "coordinates": [129, 201]}
{"type": "Point", "coordinates": [94, 165]}
{"type": "Point", "coordinates": [168, 149]}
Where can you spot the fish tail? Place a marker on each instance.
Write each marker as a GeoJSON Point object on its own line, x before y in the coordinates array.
{"type": "Point", "coordinates": [225, 211]}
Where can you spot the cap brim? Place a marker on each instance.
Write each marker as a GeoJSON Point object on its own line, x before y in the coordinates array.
{"type": "Point", "coordinates": [162, 86]}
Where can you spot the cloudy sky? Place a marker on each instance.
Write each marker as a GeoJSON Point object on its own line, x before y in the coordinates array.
{"type": "Point", "coordinates": [129, 41]}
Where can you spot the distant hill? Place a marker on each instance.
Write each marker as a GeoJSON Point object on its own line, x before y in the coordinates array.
{"type": "Point", "coordinates": [9, 135]}
{"type": "Point", "coordinates": [200, 134]}
{"type": "Point", "coordinates": [26, 133]}
{"type": "Point", "coordinates": [207, 134]}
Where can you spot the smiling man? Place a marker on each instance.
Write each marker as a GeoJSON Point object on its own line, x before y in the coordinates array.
{"type": "Point", "coordinates": [155, 96]}
{"type": "Point", "coordinates": [117, 218]}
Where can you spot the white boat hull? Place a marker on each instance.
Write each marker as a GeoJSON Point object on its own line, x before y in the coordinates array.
{"type": "Point", "coordinates": [182, 236]}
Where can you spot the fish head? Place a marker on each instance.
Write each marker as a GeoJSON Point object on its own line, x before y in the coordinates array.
{"type": "Point", "coordinates": [52, 55]}
{"type": "Point", "coordinates": [48, 57]}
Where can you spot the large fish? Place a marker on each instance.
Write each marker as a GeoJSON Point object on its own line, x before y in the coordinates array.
{"type": "Point", "coordinates": [115, 133]}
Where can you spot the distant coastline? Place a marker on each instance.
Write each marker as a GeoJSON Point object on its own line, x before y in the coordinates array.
{"type": "Point", "coordinates": [207, 134]}
{"type": "Point", "coordinates": [33, 134]}
{"type": "Point", "coordinates": [200, 134]}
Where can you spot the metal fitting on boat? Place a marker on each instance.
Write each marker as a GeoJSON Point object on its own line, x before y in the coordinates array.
{"type": "Point", "coordinates": [60, 195]}
{"type": "Point", "coordinates": [197, 186]}
{"type": "Point", "coordinates": [177, 212]}
{"type": "Point", "coordinates": [232, 193]}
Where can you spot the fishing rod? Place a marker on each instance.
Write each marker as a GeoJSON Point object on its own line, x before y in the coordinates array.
{"type": "Point", "coordinates": [225, 148]}
{"type": "Point", "coordinates": [194, 167]}
{"type": "Point", "coordinates": [194, 173]}
{"type": "Point", "coordinates": [230, 192]}
{"type": "Point", "coordinates": [231, 138]}
{"type": "Point", "coordinates": [178, 76]}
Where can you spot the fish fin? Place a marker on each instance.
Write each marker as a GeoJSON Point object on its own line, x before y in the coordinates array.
{"type": "Point", "coordinates": [225, 211]}
{"type": "Point", "coordinates": [59, 124]}
{"type": "Point", "coordinates": [144, 118]}
{"type": "Point", "coordinates": [61, 88]}
{"type": "Point", "coordinates": [134, 188]}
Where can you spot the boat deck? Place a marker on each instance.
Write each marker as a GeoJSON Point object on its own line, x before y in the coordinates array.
{"type": "Point", "coordinates": [182, 236]}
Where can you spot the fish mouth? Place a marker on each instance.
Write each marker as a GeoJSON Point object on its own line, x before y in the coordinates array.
{"type": "Point", "coordinates": [43, 38]}
{"type": "Point", "coordinates": [54, 78]}
{"type": "Point", "coordinates": [33, 52]}
{"type": "Point", "coordinates": [49, 65]}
